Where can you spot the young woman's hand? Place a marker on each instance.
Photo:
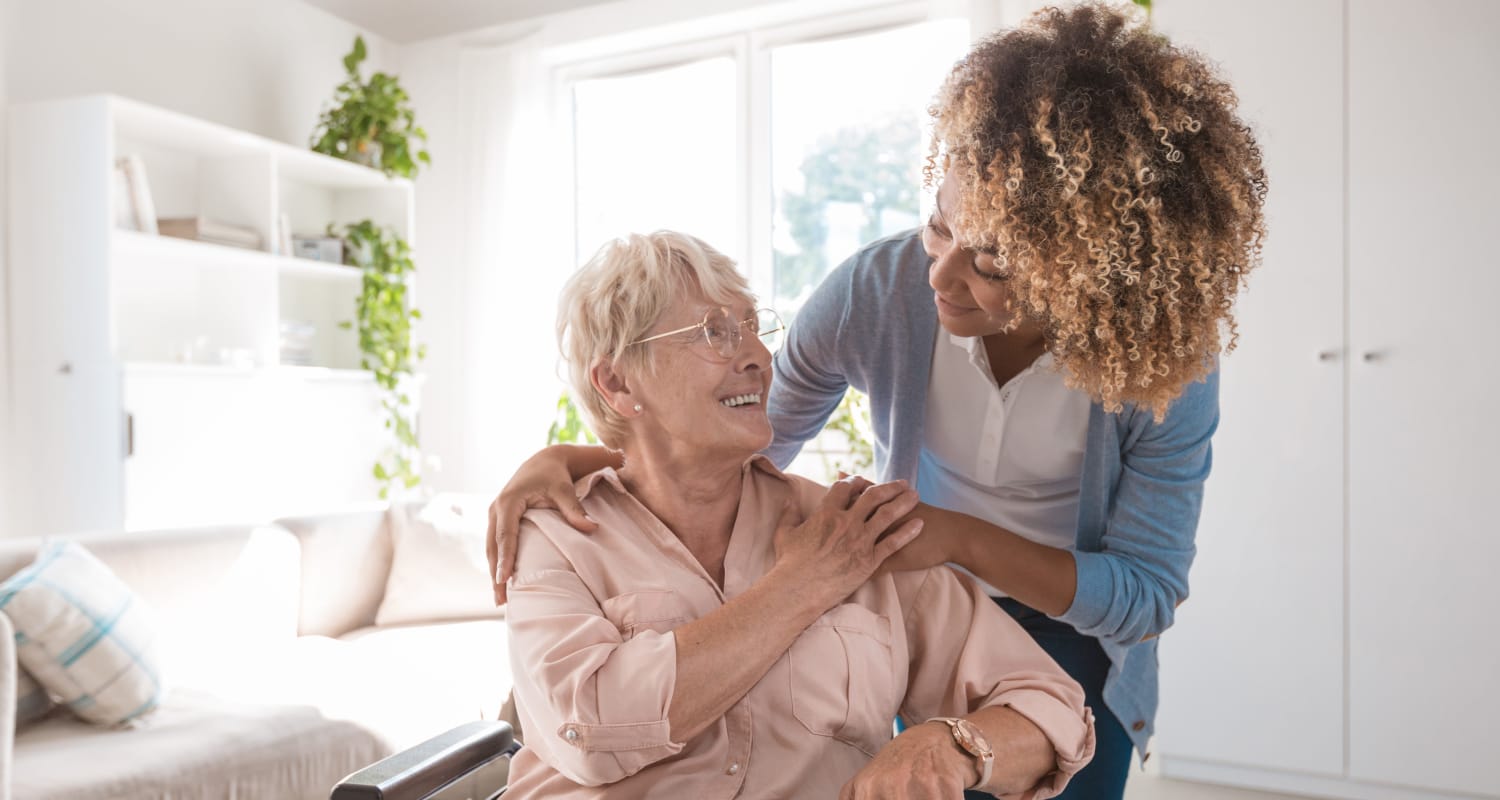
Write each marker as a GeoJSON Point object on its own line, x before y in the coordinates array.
{"type": "Point", "coordinates": [543, 481]}
{"type": "Point", "coordinates": [931, 550]}
{"type": "Point", "coordinates": [841, 545]}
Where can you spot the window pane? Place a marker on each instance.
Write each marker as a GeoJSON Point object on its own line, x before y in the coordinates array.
{"type": "Point", "coordinates": [658, 150]}
{"type": "Point", "coordinates": [848, 138]}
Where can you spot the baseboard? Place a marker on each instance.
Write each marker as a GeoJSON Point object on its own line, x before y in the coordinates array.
{"type": "Point", "coordinates": [1189, 769]}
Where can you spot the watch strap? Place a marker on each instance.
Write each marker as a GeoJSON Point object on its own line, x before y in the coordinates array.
{"type": "Point", "coordinates": [986, 757]}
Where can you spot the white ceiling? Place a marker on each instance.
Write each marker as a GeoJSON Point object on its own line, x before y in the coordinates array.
{"type": "Point", "coordinates": [406, 21]}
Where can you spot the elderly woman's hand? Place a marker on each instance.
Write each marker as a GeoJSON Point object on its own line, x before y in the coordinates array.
{"type": "Point", "coordinates": [919, 764]}
{"type": "Point", "coordinates": [841, 545]}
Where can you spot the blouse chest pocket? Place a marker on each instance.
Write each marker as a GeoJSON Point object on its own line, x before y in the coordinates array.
{"type": "Point", "coordinates": [843, 677]}
{"type": "Point", "coordinates": [659, 610]}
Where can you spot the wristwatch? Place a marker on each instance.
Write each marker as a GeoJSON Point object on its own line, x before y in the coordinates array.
{"type": "Point", "coordinates": [968, 736]}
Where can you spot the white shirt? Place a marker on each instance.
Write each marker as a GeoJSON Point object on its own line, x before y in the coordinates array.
{"type": "Point", "coordinates": [1011, 455]}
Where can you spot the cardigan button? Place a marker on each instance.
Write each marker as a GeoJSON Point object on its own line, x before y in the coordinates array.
{"type": "Point", "coordinates": [1139, 725]}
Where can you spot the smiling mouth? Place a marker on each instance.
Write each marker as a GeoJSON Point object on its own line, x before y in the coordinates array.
{"type": "Point", "coordinates": [949, 306]}
{"type": "Point", "coordinates": [741, 400]}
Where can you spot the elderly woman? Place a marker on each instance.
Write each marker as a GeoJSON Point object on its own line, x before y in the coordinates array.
{"type": "Point", "coordinates": [723, 631]}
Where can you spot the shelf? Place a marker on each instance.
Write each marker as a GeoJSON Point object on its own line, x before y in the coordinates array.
{"type": "Point", "coordinates": [147, 245]}
{"type": "Point", "coordinates": [309, 374]}
{"type": "Point", "coordinates": [169, 129]}
{"type": "Point", "coordinates": [307, 166]}
{"type": "Point", "coordinates": [307, 268]}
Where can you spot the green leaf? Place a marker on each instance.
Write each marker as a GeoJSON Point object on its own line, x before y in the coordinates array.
{"type": "Point", "coordinates": [352, 61]}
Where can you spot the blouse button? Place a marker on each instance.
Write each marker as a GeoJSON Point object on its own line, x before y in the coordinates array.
{"type": "Point", "coordinates": [733, 768]}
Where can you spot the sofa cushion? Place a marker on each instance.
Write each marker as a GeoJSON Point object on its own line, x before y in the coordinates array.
{"type": "Point", "coordinates": [439, 570]}
{"type": "Point", "coordinates": [346, 556]}
{"type": "Point", "coordinates": [84, 635]}
{"type": "Point", "coordinates": [215, 592]}
{"type": "Point", "coordinates": [195, 747]}
{"type": "Point", "coordinates": [450, 674]}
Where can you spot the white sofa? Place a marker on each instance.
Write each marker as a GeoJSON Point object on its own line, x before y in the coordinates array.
{"type": "Point", "coordinates": [280, 681]}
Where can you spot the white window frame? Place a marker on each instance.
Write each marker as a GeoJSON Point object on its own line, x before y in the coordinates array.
{"type": "Point", "coordinates": [749, 43]}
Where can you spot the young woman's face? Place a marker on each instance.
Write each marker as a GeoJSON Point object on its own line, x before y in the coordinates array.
{"type": "Point", "coordinates": [970, 293]}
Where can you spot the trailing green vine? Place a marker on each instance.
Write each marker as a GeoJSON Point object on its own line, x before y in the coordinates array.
{"type": "Point", "coordinates": [852, 421]}
{"type": "Point", "coordinates": [384, 316]}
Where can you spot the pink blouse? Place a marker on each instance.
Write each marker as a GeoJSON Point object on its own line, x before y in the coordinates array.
{"type": "Point", "coordinates": [594, 659]}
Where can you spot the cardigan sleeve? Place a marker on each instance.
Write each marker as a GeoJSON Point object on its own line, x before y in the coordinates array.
{"type": "Point", "coordinates": [809, 380]}
{"type": "Point", "coordinates": [1130, 588]}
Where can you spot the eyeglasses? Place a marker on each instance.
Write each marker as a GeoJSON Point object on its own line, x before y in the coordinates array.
{"type": "Point", "coordinates": [722, 333]}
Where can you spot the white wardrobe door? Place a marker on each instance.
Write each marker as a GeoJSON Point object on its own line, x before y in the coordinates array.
{"type": "Point", "coordinates": [1260, 641]}
{"type": "Point", "coordinates": [1424, 113]}
{"type": "Point", "coordinates": [247, 446]}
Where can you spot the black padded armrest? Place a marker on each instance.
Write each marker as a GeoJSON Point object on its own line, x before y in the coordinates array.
{"type": "Point", "coordinates": [420, 770]}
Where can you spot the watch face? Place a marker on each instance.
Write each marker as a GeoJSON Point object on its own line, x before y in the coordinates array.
{"type": "Point", "coordinates": [970, 738]}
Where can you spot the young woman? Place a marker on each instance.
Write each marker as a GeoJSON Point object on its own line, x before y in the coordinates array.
{"type": "Point", "coordinates": [1041, 357]}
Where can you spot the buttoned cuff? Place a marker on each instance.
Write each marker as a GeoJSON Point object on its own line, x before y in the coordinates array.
{"type": "Point", "coordinates": [619, 737]}
{"type": "Point", "coordinates": [1071, 735]}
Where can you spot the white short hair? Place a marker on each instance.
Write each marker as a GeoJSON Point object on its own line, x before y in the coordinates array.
{"type": "Point", "coordinates": [619, 295]}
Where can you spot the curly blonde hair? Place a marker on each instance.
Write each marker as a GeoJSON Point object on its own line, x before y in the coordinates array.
{"type": "Point", "coordinates": [1108, 171]}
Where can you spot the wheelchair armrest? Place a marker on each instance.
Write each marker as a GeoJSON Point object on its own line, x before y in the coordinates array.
{"type": "Point", "coordinates": [422, 769]}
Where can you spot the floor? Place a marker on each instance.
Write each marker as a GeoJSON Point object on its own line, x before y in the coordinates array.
{"type": "Point", "coordinates": [1155, 787]}
{"type": "Point", "coordinates": [1149, 785]}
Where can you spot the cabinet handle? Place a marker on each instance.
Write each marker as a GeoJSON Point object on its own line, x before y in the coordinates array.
{"type": "Point", "coordinates": [66, 368]}
{"type": "Point", "coordinates": [1329, 355]}
{"type": "Point", "coordinates": [1372, 356]}
{"type": "Point", "coordinates": [129, 434]}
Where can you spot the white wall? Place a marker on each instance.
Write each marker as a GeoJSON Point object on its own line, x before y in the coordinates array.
{"type": "Point", "coordinates": [6, 7]}
{"type": "Point", "coordinates": [264, 66]}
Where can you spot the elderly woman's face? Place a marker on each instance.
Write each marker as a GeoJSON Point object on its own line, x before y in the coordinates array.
{"type": "Point", "coordinates": [697, 399]}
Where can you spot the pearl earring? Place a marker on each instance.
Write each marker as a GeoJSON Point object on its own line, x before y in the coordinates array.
{"type": "Point", "coordinates": [637, 408]}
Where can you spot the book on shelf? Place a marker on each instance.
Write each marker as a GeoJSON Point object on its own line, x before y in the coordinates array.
{"type": "Point", "coordinates": [207, 230]}
{"type": "Point", "coordinates": [134, 209]}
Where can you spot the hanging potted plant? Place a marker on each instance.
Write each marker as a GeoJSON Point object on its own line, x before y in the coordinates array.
{"type": "Point", "coordinates": [371, 123]}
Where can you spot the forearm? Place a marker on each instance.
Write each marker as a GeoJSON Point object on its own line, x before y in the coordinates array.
{"type": "Point", "coordinates": [1044, 578]}
{"type": "Point", "coordinates": [1023, 754]}
{"type": "Point", "coordinates": [722, 655]}
{"type": "Point", "coordinates": [583, 459]}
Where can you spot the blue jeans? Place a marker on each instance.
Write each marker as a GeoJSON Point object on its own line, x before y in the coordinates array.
{"type": "Point", "coordinates": [1081, 657]}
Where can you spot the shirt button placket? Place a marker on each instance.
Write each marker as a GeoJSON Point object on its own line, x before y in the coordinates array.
{"type": "Point", "coordinates": [739, 730]}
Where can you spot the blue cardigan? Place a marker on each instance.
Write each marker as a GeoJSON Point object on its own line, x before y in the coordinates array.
{"type": "Point", "coordinates": [871, 325]}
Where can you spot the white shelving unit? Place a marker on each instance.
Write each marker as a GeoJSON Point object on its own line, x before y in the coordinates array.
{"type": "Point", "coordinates": [149, 383]}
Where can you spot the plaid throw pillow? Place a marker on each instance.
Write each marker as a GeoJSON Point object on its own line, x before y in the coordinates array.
{"type": "Point", "coordinates": [83, 635]}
